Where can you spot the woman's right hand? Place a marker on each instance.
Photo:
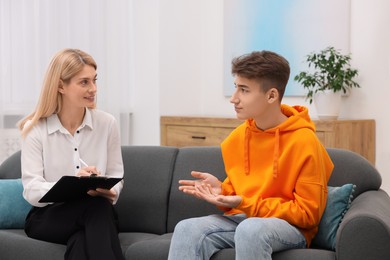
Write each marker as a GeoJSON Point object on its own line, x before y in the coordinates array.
{"type": "Point", "coordinates": [88, 171]}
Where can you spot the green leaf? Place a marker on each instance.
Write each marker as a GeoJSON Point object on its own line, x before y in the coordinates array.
{"type": "Point", "coordinates": [330, 70]}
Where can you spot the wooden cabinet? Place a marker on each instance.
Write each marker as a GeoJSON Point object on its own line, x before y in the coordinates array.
{"type": "Point", "coordinates": [195, 131]}
{"type": "Point", "coordinates": [354, 135]}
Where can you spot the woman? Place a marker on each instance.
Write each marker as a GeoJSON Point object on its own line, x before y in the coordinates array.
{"type": "Point", "coordinates": [64, 131]}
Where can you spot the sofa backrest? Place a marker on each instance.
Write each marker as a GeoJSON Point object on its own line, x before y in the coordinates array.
{"type": "Point", "coordinates": [203, 159]}
{"type": "Point", "coordinates": [143, 204]}
{"type": "Point", "coordinates": [151, 202]}
{"type": "Point", "coordinates": [350, 167]}
{"type": "Point", "coordinates": [11, 167]}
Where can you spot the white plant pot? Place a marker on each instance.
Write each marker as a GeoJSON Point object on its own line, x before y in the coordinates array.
{"type": "Point", "coordinates": [328, 104]}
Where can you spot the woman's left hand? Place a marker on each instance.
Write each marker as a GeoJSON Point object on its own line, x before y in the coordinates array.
{"type": "Point", "coordinates": [108, 194]}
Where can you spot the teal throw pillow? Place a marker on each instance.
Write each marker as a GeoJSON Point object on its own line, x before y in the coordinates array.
{"type": "Point", "coordinates": [339, 201]}
{"type": "Point", "coordinates": [13, 207]}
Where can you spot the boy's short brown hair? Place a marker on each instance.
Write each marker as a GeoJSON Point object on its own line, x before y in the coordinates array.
{"type": "Point", "coordinates": [267, 67]}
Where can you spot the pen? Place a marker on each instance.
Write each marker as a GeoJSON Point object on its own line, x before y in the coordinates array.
{"type": "Point", "coordinates": [83, 163]}
{"type": "Point", "coordinates": [86, 165]}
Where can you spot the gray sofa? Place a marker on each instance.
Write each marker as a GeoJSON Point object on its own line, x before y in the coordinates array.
{"type": "Point", "coordinates": [151, 205]}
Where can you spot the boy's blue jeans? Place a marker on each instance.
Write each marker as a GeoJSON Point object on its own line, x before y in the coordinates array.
{"type": "Point", "coordinates": [252, 238]}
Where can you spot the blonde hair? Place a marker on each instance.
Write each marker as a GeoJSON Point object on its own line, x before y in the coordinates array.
{"type": "Point", "coordinates": [63, 66]}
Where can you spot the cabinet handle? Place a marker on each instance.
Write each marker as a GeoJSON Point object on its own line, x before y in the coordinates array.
{"type": "Point", "coordinates": [198, 137]}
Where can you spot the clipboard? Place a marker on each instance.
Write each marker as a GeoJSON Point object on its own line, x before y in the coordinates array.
{"type": "Point", "coordinates": [75, 187]}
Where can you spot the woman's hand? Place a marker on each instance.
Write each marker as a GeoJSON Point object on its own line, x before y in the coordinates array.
{"type": "Point", "coordinates": [88, 171]}
{"type": "Point", "coordinates": [108, 194]}
{"type": "Point", "coordinates": [92, 171]}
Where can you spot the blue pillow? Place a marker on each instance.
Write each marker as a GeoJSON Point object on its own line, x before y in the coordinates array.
{"type": "Point", "coordinates": [339, 201]}
{"type": "Point", "coordinates": [13, 207]}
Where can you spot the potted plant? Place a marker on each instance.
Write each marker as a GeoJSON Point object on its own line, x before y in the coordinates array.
{"type": "Point", "coordinates": [331, 76]}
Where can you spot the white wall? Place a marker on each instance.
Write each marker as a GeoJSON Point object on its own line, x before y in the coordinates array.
{"type": "Point", "coordinates": [175, 65]}
{"type": "Point", "coordinates": [191, 59]}
{"type": "Point", "coordinates": [191, 69]}
{"type": "Point", "coordinates": [145, 100]}
{"type": "Point", "coordinates": [370, 45]}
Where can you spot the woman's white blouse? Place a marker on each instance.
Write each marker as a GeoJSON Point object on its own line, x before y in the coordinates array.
{"type": "Point", "coordinates": [49, 152]}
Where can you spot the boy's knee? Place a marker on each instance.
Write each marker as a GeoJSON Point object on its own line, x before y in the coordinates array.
{"type": "Point", "coordinates": [195, 226]}
{"type": "Point", "coordinates": [245, 227]}
{"type": "Point", "coordinates": [185, 226]}
{"type": "Point", "coordinates": [254, 228]}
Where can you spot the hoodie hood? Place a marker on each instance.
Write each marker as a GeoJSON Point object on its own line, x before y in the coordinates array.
{"type": "Point", "coordinates": [298, 118]}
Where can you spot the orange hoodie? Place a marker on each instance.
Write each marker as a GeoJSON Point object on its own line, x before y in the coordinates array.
{"type": "Point", "coordinates": [281, 172]}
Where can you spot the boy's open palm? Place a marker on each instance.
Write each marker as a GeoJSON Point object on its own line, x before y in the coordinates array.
{"type": "Point", "coordinates": [207, 187]}
{"type": "Point", "coordinates": [205, 192]}
{"type": "Point", "coordinates": [188, 186]}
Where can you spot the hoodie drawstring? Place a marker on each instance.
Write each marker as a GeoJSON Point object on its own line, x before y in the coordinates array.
{"type": "Point", "coordinates": [246, 150]}
{"type": "Point", "coordinates": [275, 168]}
{"type": "Point", "coordinates": [276, 153]}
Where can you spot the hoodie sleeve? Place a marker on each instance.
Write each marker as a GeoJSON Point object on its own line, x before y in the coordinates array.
{"type": "Point", "coordinates": [227, 188]}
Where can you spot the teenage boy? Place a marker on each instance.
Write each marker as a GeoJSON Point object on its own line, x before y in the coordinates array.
{"type": "Point", "coordinates": [277, 173]}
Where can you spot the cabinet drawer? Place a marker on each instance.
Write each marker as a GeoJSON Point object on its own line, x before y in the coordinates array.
{"type": "Point", "coordinates": [196, 135]}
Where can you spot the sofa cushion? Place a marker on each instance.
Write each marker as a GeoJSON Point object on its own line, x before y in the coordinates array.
{"type": "Point", "coordinates": [15, 244]}
{"type": "Point", "coordinates": [339, 201]}
{"type": "Point", "coordinates": [182, 206]}
{"type": "Point", "coordinates": [141, 250]}
{"type": "Point", "coordinates": [143, 203]}
{"type": "Point", "coordinates": [11, 167]}
{"type": "Point", "coordinates": [129, 238]}
{"type": "Point", "coordinates": [13, 207]}
{"type": "Point", "coordinates": [304, 254]}
{"type": "Point", "coordinates": [350, 167]}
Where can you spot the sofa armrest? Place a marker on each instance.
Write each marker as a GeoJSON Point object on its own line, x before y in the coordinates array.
{"type": "Point", "coordinates": [364, 232]}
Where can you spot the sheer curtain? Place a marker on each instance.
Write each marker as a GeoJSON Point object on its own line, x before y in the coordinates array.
{"type": "Point", "coordinates": [31, 31]}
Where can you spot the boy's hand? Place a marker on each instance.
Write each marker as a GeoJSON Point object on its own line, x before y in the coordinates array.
{"type": "Point", "coordinates": [188, 186]}
{"type": "Point", "coordinates": [205, 192]}
{"type": "Point", "coordinates": [208, 188]}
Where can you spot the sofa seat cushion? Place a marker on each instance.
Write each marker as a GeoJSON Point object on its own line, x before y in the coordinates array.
{"type": "Point", "coordinates": [15, 244]}
{"type": "Point", "coordinates": [128, 238]}
{"type": "Point", "coordinates": [34, 249]}
{"type": "Point", "coordinates": [142, 250]}
{"type": "Point", "coordinates": [305, 254]}
{"type": "Point", "coordinates": [293, 254]}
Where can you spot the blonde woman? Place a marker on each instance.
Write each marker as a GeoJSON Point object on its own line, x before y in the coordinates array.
{"type": "Point", "coordinates": [65, 130]}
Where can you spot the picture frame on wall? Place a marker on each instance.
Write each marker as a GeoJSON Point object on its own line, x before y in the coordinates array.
{"type": "Point", "coordinates": [292, 29]}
